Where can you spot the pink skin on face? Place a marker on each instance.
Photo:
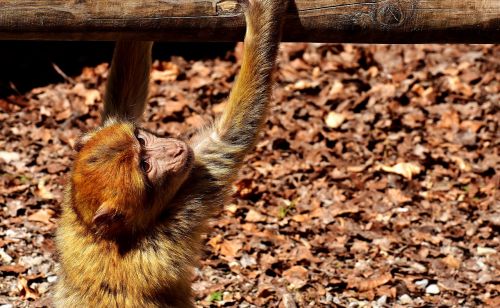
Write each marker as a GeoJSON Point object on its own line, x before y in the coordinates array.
{"type": "Point", "coordinates": [163, 156]}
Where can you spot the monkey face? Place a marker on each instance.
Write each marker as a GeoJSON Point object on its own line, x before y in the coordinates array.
{"type": "Point", "coordinates": [163, 159]}
{"type": "Point", "coordinates": [124, 177]}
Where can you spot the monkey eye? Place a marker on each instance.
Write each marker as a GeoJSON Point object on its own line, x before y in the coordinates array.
{"type": "Point", "coordinates": [145, 165]}
{"type": "Point", "coordinates": [141, 140]}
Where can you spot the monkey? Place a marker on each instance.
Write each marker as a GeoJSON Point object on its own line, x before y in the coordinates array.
{"type": "Point", "coordinates": [136, 204]}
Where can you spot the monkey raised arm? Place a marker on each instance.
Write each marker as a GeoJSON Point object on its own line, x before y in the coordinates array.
{"type": "Point", "coordinates": [223, 148]}
{"type": "Point", "coordinates": [128, 81]}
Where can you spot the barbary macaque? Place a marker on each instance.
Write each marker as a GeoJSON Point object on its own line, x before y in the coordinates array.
{"type": "Point", "coordinates": [136, 203]}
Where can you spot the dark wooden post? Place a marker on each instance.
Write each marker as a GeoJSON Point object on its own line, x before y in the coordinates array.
{"type": "Point", "coordinates": [367, 21]}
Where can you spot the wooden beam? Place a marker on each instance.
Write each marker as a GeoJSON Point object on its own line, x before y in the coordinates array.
{"type": "Point", "coordinates": [366, 21]}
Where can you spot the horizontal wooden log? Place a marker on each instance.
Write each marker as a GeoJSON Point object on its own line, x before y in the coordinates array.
{"type": "Point", "coordinates": [366, 21]}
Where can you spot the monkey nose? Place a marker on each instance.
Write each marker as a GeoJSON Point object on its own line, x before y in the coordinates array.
{"type": "Point", "coordinates": [175, 150]}
{"type": "Point", "coordinates": [178, 151]}
{"type": "Point", "coordinates": [170, 154]}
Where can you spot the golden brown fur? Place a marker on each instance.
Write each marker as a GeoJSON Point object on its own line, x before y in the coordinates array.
{"type": "Point", "coordinates": [131, 66]}
{"type": "Point", "coordinates": [127, 241]}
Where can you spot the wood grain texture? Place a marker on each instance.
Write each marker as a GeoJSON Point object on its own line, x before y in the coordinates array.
{"type": "Point", "coordinates": [367, 21]}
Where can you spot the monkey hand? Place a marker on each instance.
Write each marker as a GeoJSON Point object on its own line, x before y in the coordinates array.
{"type": "Point", "coordinates": [261, 12]}
{"type": "Point", "coordinates": [278, 6]}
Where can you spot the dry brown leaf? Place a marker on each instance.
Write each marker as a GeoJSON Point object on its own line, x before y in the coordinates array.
{"type": "Point", "coordinates": [371, 283]}
{"type": "Point", "coordinates": [169, 73]}
{"type": "Point", "coordinates": [302, 85]}
{"type": "Point", "coordinates": [265, 290]}
{"type": "Point", "coordinates": [42, 133]}
{"type": "Point", "coordinates": [336, 88]}
{"type": "Point", "coordinates": [386, 290]}
{"type": "Point", "coordinates": [215, 242]}
{"type": "Point", "coordinates": [91, 96]}
{"type": "Point", "coordinates": [26, 291]}
{"type": "Point", "coordinates": [231, 208]}
{"type": "Point", "coordinates": [296, 276]}
{"type": "Point", "coordinates": [230, 248]}
{"type": "Point", "coordinates": [42, 191]}
{"type": "Point", "coordinates": [338, 174]}
{"type": "Point", "coordinates": [301, 217]}
{"type": "Point", "coordinates": [484, 251]}
{"type": "Point", "coordinates": [254, 216]}
{"type": "Point", "coordinates": [287, 301]}
{"type": "Point", "coordinates": [54, 168]}
{"type": "Point", "coordinates": [345, 209]}
{"type": "Point", "coordinates": [461, 163]}
{"type": "Point", "coordinates": [17, 268]}
{"type": "Point", "coordinates": [407, 170]}
{"type": "Point", "coordinates": [453, 285]}
{"type": "Point", "coordinates": [492, 301]}
{"type": "Point", "coordinates": [11, 190]}
{"type": "Point", "coordinates": [360, 168]}
{"type": "Point", "coordinates": [197, 82]}
{"type": "Point", "coordinates": [63, 115]}
{"type": "Point", "coordinates": [451, 261]}
{"type": "Point", "coordinates": [43, 215]}
{"type": "Point", "coordinates": [473, 126]}
{"type": "Point", "coordinates": [303, 253]}
{"type": "Point", "coordinates": [360, 247]}
{"type": "Point", "coordinates": [397, 196]}
{"type": "Point", "coordinates": [199, 68]}
{"type": "Point", "coordinates": [449, 119]}
{"type": "Point", "coordinates": [245, 188]}
{"type": "Point", "coordinates": [172, 107]}
{"type": "Point", "coordinates": [196, 121]}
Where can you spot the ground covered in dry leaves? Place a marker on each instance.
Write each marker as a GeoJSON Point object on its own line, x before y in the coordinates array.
{"type": "Point", "coordinates": [375, 181]}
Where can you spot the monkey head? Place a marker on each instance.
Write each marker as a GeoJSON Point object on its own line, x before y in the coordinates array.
{"type": "Point", "coordinates": [124, 177]}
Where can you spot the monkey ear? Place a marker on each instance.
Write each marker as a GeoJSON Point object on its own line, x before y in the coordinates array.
{"type": "Point", "coordinates": [80, 141]}
{"type": "Point", "coordinates": [78, 144]}
{"type": "Point", "coordinates": [107, 216]}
